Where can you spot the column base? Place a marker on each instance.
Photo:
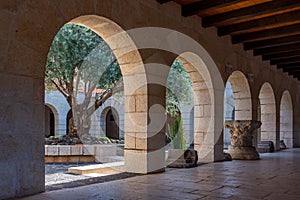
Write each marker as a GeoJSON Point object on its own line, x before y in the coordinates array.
{"type": "Point", "coordinates": [243, 153]}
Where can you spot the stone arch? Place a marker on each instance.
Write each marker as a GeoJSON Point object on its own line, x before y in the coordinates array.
{"type": "Point", "coordinates": [238, 85]}
{"type": "Point", "coordinates": [286, 119]}
{"type": "Point", "coordinates": [111, 125]}
{"type": "Point", "coordinates": [102, 113]}
{"type": "Point", "coordinates": [186, 109]}
{"type": "Point", "coordinates": [135, 87]}
{"type": "Point", "coordinates": [267, 114]}
{"type": "Point", "coordinates": [68, 117]}
{"type": "Point", "coordinates": [51, 122]}
{"type": "Point", "coordinates": [209, 128]}
{"type": "Point", "coordinates": [204, 107]}
{"type": "Point", "coordinates": [242, 96]}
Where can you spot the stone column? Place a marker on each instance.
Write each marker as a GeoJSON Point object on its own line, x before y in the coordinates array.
{"type": "Point", "coordinates": [242, 131]}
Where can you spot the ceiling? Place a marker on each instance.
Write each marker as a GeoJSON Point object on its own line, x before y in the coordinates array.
{"type": "Point", "coordinates": [271, 28]}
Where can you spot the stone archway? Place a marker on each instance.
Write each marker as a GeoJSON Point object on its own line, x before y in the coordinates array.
{"type": "Point", "coordinates": [135, 87]}
{"type": "Point", "coordinates": [286, 119]}
{"type": "Point", "coordinates": [267, 112]}
{"type": "Point", "coordinates": [68, 117]}
{"type": "Point", "coordinates": [242, 96]}
{"type": "Point", "coordinates": [205, 136]}
{"type": "Point", "coordinates": [208, 124]}
{"type": "Point", "coordinates": [51, 120]}
{"type": "Point", "coordinates": [241, 109]}
{"type": "Point", "coordinates": [112, 124]}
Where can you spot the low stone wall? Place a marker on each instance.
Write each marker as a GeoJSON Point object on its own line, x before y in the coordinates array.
{"type": "Point", "coordinates": [81, 153]}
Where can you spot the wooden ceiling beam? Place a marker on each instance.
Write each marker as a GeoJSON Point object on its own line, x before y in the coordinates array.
{"type": "Point", "coordinates": [294, 73]}
{"type": "Point", "coordinates": [291, 69]}
{"type": "Point", "coordinates": [267, 34]}
{"type": "Point", "coordinates": [259, 24]}
{"type": "Point", "coordinates": [205, 5]}
{"type": "Point", "coordinates": [272, 42]}
{"type": "Point", "coordinates": [163, 1]}
{"type": "Point", "coordinates": [285, 60]}
{"type": "Point", "coordinates": [249, 12]}
{"type": "Point", "coordinates": [276, 49]}
{"type": "Point", "coordinates": [281, 55]}
{"type": "Point", "coordinates": [290, 65]}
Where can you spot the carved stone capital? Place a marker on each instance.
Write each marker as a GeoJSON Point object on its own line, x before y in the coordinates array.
{"type": "Point", "coordinates": [241, 138]}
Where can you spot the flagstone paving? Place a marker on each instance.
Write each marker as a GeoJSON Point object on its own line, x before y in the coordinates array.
{"type": "Point", "coordinates": [274, 176]}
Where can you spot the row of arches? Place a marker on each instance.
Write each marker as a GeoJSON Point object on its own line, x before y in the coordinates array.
{"type": "Point", "coordinates": [109, 120]}
{"type": "Point", "coordinates": [238, 106]}
{"type": "Point", "coordinates": [145, 84]}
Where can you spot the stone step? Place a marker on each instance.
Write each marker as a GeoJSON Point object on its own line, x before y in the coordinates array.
{"type": "Point", "coordinates": [107, 168]}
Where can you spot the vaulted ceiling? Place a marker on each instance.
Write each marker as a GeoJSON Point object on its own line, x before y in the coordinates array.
{"type": "Point", "coordinates": [271, 28]}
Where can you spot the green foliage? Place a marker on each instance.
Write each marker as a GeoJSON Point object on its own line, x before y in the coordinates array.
{"type": "Point", "coordinates": [175, 134]}
{"type": "Point", "coordinates": [78, 51]}
{"type": "Point", "coordinates": [179, 89]}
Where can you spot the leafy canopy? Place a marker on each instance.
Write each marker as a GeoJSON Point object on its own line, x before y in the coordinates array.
{"type": "Point", "coordinates": [179, 89]}
{"type": "Point", "coordinates": [77, 49]}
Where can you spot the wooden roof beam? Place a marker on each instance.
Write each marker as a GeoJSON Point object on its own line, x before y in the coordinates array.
{"type": "Point", "coordinates": [285, 60]}
{"type": "Point", "coordinates": [294, 73]}
{"type": "Point", "coordinates": [290, 65]}
{"type": "Point", "coordinates": [205, 5]}
{"type": "Point", "coordinates": [281, 55]}
{"type": "Point", "coordinates": [267, 34]}
{"type": "Point", "coordinates": [276, 49]}
{"type": "Point", "coordinates": [272, 42]}
{"type": "Point", "coordinates": [163, 1]}
{"type": "Point", "coordinates": [291, 69]}
{"type": "Point", "coordinates": [249, 12]}
{"type": "Point", "coordinates": [260, 24]}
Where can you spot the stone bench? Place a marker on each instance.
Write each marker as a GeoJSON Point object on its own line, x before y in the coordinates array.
{"type": "Point", "coordinates": [265, 147]}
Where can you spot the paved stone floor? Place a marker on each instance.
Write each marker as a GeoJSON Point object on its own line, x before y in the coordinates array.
{"type": "Point", "coordinates": [275, 176]}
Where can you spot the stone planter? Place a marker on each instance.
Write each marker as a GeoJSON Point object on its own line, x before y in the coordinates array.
{"type": "Point", "coordinates": [242, 131]}
{"type": "Point", "coordinates": [179, 158]}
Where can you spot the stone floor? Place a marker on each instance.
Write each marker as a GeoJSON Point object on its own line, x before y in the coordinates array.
{"type": "Point", "coordinates": [275, 176]}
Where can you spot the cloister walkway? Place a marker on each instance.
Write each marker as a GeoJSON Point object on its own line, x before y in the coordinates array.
{"type": "Point", "coordinates": [275, 176]}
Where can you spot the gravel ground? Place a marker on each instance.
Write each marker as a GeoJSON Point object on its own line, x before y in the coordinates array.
{"type": "Point", "coordinates": [57, 176]}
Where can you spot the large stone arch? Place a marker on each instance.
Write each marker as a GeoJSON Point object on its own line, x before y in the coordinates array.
{"type": "Point", "coordinates": [242, 96]}
{"type": "Point", "coordinates": [135, 87]}
{"type": "Point", "coordinates": [267, 116]}
{"type": "Point", "coordinates": [56, 118]}
{"type": "Point", "coordinates": [210, 127]}
{"type": "Point", "coordinates": [286, 119]}
{"type": "Point", "coordinates": [203, 104]}
{"type": "Point", "coordinates": [239, 88]}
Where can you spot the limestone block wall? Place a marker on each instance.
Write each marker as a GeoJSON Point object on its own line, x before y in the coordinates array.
{"type": "Point", "coordinates": [27, 30]}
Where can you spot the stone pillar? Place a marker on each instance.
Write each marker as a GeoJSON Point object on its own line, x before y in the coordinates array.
{"type": "Point", "coordinates": [242, 131]}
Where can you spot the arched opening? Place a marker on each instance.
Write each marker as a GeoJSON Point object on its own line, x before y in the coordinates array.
{"type": "Point", "coordinates": [237, 101]}
{"type": "Point", "coordinates": [68, 120]}
{"type": "Point", "coordinates": [49, 122]}
{"type": "Point", "coordinates": [135, 85]}
{"type": "Point", "coordinates": [204, 136]}
{"type": "Point", "coordinates": [112, 124]}
{"type": "Point", "coordinates": [267, 112]}
{"type": "Point", "coordinates": [286, 119]}
{"type": "Point", "coordinates": [180, 107]}
{"type": "Point", "coordinates": [228, 112]}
